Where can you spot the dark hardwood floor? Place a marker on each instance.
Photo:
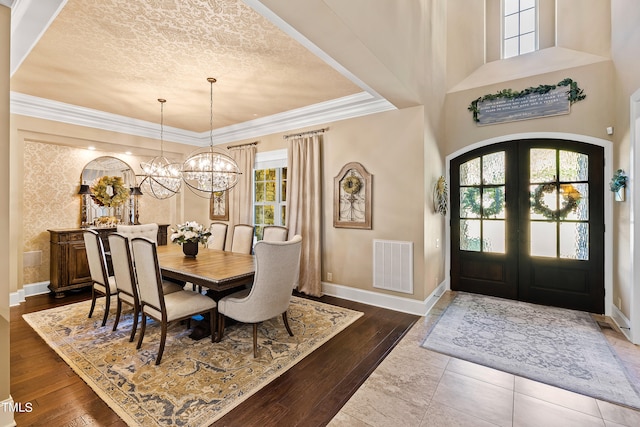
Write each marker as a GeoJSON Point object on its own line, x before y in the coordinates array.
{"type": "Point", "coordinates": [308, 394]}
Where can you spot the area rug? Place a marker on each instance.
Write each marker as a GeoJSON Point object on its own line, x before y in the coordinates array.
{"type": "Point", "coordinates": [559, 347]}
{"type": "Point", "coordinates": [198, 381]}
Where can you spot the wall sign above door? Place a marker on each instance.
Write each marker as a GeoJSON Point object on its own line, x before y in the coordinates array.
{"type": "Point", "coordinates": [533, 102]}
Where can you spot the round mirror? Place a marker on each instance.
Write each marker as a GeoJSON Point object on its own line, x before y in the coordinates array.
{"type": "Point", "coordinates": [106, 187]}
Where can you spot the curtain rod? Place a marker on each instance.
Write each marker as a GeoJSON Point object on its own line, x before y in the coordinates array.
{"type": "Point", "coordinates": [249, 144]}
{"type": "Point", "coordinates": [311, 132]}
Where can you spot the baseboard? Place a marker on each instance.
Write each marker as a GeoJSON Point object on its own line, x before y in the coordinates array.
{"type": "Point", "coordinates": [621, 320]}
{"type": "Point", "coordinates": [16, 298]}
{"type": "Point", "coordinates": [391, 302]}
{"type": "Point", "coordinates": [6, 413]}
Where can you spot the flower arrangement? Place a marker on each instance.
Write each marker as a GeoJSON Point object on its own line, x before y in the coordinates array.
{"type": "Point", "coordinates": [618, 181]}
{"type": "Point", "coordinates": [191, 232]}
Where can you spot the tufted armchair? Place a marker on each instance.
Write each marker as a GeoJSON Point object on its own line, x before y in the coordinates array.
{"type": "Point", "coordinates": [277, 265]}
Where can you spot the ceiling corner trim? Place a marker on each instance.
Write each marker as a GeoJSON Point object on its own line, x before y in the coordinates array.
{"type": "Point", "coordinates": [29, 20]}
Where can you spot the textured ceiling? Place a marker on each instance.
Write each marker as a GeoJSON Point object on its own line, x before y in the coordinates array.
{"type": "Point", "coordinates": [119, 56]}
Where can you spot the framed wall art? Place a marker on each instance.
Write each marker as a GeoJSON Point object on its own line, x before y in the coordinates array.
{"type": "Point", "coordinates": [352, 197]}
{"type": "Point", "coordinates": [219, 206]}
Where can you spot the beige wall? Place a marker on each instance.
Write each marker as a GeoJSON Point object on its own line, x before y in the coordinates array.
{"type": "Point", "coordinates": [5, 229]}
{"type": "Point", "coordinates": [625, 51]}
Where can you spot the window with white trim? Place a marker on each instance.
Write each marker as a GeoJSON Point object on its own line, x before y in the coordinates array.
{"type": "Point", "coordinates": [519, 27]}
{"type": "Point", "coordinates": [269, 190]}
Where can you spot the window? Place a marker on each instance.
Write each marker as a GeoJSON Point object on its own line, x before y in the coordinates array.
{"type": "Point", "coordinates": [269, 190]}
{"type": "Point", "coordinates": [519, 27]}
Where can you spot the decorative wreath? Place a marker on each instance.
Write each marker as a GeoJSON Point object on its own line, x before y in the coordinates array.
{"type": "Point", "coordinates": [495, 207]}
{"type": "Point", "coordinates": [570, 196]}
{"type": "Point", "coordinates": [351, 184]}
{"type": "Point", "coordinates": [109, 191]}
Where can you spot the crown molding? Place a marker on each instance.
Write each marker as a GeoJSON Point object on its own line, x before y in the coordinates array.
{"type": "Point", "coordinates": [29, 20]}
{"type": "Point", "coordinates": [360, 104]}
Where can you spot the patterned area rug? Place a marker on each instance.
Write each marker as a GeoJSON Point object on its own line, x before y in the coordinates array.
{"type": "Point", "coordinates": [559, 347]}
{"type": "Point", "coordinates": [197, 381]}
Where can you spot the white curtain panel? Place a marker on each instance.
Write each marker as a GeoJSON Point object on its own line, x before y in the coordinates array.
{"type": "Point", "coordinates": [304, 206]}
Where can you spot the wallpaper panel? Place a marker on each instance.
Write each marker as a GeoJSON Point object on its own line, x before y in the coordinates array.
{"type": "Point", "coordinates": [51, 182]}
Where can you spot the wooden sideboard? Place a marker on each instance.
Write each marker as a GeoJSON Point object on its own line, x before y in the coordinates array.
{"type": "Point", "coordinates": [69, 268]}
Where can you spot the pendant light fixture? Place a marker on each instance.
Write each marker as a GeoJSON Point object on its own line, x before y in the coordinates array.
{"type": "Point", "coordinates": [210, 169]}
{"type": "Point", "coordinates": [162, 179]}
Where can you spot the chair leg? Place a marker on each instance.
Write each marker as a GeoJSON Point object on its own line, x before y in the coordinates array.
{"type": "Point", "coordinates": [142, 329]}
{"type": "Point", "coordinates": [118, 312]}
{"type": "Point", "coordinates": [163, 339]}
{"type": "Point", "coordinates": [285, 319]}
{"type": "Point", "coordinates": [136, 313]}
{"type": "Point", "coordinates": [255, 340]}
{"type": "Point", "coordinates": [220, 327]}
{"type": "Point", "coordinates": [93, 302]}
{"type": "Point", "coordinates": [107, 306]}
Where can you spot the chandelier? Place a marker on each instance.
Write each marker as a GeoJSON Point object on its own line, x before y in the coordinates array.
{"type": "Point", "coordinates": [210, 169]}
{"type": "Point", "coordinates": [162, 179]}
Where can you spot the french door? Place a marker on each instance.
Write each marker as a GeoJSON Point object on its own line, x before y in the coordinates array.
{"type": "Point", "coordinates": [527, 223]}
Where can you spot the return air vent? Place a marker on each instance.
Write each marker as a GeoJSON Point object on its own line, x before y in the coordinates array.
{"type": "Point", "coordinates": [393, 265]}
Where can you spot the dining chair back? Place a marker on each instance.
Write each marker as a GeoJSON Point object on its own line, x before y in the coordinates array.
{"type": "Point", "coordinates": [103, 284]}
{"type": "Point", "coordinates": [164, 308]}
{"type": "Point", "coordinates": [123, 272]}
{"type": "Point", "coordinates": [242, 239]}
{"type": "Point", "coordinates": [274, 233]}
{"type": "Point", "coordinates": [218, 235]}
{"type": "Point", "coordinates": [277, 264]}
{"type": "Point", "coordinates": [150, 231]}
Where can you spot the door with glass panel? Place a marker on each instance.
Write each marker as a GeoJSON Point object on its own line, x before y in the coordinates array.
{"type": "Point", "coordinates": [527, 223]}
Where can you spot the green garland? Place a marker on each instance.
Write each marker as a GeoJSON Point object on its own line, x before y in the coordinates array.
{"type": "Point", "coordinates": [574, 94]}
{"type": "Point", "coordinates": [109, 191]}
{"type": "Point", "coordinates": [570, 195]}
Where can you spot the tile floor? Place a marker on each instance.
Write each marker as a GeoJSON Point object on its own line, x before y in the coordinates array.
{"type": "Point", "coordinates": [417, 387]}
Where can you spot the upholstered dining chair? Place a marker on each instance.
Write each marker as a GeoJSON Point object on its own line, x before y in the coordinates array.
{"type": "Point", "coordinates": [242, 240]}
{"type": "Point", "coordinates": [277, 264]}
{"type": "Point", "coordinates": [124, 274]}
{"type": "Point", "coordinates": [103, 284]}
{"type": "Point", "coordinates": [274, 233]}
{"type": "Point", "coordinates": [150, 231]}
{"type": "Point", "coordinates": [218, 235]}
{"type": "Point", "coordinates": [164, 308]}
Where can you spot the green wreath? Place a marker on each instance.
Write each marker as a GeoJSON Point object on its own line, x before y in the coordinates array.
{"type": "Point", "coordinates": [109, 191]}
{"type": "Point", "coordinates": [495, 207]}
{"type": "Point", "coordinates": [570, 195]}
{"type": "Point", "coordinates": [351, 184]}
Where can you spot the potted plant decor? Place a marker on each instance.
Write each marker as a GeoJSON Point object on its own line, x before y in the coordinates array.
{"type": "Point", "coordinates": [189, 235]}
{"type": "Point", "coordinates": [618, 184]}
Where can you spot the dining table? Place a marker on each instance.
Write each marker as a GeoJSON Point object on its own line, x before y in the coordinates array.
{"type": "Point", "coordinates": [217, 270]}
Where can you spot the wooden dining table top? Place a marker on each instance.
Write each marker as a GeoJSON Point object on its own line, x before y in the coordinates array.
{"type": "Point", "coordinates": [214, 269]}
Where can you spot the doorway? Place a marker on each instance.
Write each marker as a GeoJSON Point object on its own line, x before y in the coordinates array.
{"type": "Point", "coordinates": [527, 222]}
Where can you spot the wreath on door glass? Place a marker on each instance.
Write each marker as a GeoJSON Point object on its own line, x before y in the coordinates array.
{"type": "Point", "coordinates": [109, 191]}
{"type": "Point", "coordinates": [570, 199]}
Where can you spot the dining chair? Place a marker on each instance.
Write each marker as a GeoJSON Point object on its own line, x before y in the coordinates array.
{"type": "Point", "coordinates": [124, 274]}
{"type": "Point", "coordinates": [218, 235]}
{"type": "Point", "coordinates": [103, 284]}
{"type": "Point", "coordinates": [150, 231]}
{"type": "Point", "coordinates": [277, 264]}
{"type": "Point", "coordinates": [242, 240]}
{"type": "Point", "coordinates": [164, 308]}
{"type": "Point", "coordinates": [274, 233]}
